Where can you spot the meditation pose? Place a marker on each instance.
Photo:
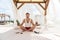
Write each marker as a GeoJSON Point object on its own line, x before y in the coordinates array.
{"type": "Point", "coordinates": [27, 24]}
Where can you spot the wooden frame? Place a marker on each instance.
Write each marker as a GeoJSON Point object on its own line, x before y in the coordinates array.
{"type": "Point", "coordinates": [46, 2]}
{"type": "Point", "coordinates": [30, 1]}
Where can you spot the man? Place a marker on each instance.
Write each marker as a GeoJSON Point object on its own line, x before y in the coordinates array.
{"type": "Point", "coordinates": [29, 25]}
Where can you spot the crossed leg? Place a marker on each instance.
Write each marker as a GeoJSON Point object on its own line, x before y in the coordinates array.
{"type": "Point", "coordinates": [32, 28]}
{"type": "Point", "coordinates": [23, 28]}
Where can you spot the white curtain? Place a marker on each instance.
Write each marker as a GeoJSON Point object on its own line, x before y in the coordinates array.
{"type": "Point", "coordinates": [53, 16]}
{"type": "Point", "coordinates": [14, 9]}
{"type": "Point", "coordinates": [53, 12]}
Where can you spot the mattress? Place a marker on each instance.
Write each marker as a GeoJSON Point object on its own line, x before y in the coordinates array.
{"type": "Point", "coordinates": [10, 33]}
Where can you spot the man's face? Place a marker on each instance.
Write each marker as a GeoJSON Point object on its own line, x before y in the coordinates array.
{"type": "Point", "coordinates": [27, 15]}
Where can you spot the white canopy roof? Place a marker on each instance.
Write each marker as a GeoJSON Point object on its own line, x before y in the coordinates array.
{"type": "Point", "coordinates": [32, 0]}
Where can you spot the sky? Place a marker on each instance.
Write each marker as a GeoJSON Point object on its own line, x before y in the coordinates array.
{"type": "Point", "coordinates": [6, 8]}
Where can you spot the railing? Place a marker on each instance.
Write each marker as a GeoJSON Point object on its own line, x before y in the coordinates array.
{"type": "Point", "coordinates": [3, 20]}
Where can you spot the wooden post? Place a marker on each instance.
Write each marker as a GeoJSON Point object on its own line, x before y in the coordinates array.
{"type": "Point", "coordinates": [20, 5]}
{"type": "Point", "coordinates": [41, 6]}
{"type": "Point", "coordinates": [45, 13]}
{"type": "Point", "coordinates": [15, 2]}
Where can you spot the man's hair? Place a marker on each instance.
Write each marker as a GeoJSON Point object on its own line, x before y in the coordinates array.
{"type": "Point", "coordinates": [27, 13]}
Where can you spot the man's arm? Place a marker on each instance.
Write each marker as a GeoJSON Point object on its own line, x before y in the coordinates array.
{"type": "Point", "coordinates": [22, 23]}
{"type": "Point", "coordinates": [33, 26]}
{"type": "Point", "coordinates": [32, 22]}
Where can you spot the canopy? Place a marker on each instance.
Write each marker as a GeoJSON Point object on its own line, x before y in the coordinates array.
{"type": "Point", "coordinates": [31, 0]}
{"type": "Point", "coordinates": [53, 12]}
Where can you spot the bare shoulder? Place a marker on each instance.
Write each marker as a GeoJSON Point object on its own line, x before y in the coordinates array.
{"type": "Point", "coordinates": [23, 20]}
{"type": "Point", "coordinates": [31, 20]}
